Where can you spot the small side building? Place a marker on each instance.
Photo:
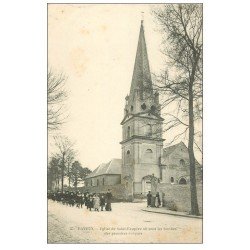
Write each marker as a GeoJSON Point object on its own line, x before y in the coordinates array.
{"type": "Point", "coordinates": [106, 174]}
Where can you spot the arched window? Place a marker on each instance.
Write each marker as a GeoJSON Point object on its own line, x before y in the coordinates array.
{"type": "Point", "coordinates": [131, 108]}
{"type": "Point", "coordinates": [91, 182]}
{"type": "Point", "coordinates": [128, 132]}
{"type": "Point", "coordinates": [182, 163]}
{"type": "Point", "coordinates": [149, 151]}
{"type": "Point", "coordinates": [128, 152]}
{"type": "Point", "coordinates": [182, 181]}
{"type": "Point", "coordinates": [172, 179]}
{"type": "Point", "coordinates": [103, 181]}
{"type": "Point", "coordinates": [97, 183]}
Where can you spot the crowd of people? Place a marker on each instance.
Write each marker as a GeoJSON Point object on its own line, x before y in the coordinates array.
{"type": "Point", "coordinates": [153, 200]}
{"type": "Point", "coordinates": [97, 202]}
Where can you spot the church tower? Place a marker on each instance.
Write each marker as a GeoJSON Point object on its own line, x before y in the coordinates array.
{"type": "Point", "coordinates": [142, 141]}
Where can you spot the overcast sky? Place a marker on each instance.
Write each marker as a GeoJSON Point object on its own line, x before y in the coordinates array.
{"type": "Point", "coordinates": [95, 46]}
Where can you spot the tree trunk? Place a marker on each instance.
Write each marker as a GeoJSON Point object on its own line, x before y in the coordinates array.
{"type": "Point", "coordinates": [194, 202]}
{"type": "Point", "coordinates": [69, 176]}
{"type": "Point", "coordinates": [62, 172]}
{"type": "Point", "coordinates": [76, 184]}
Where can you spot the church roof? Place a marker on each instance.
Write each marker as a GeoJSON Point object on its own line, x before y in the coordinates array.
{"type": "Point", "coordinates": [112, 167]}
{"type": "Point", "coordinates": [169, 150]}
{"type": "Point", "coordinates": [141, 75]}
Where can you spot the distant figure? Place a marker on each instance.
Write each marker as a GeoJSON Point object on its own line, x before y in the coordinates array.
{"type": "Point", "coordinates": [149, 197]}
{"type": "Point", "coordinates": [96, 204]}
{"type": "Point", "coordinates": [82, 200]}
{"type": "Point", "coordinates": [78, 200]}
{"type": "Point", "coordinates": [91, 202]}
{"type": "Point", "coordinates": [157, 200]}
{"type": "Point", "coordinates": [86, 199]}
{"type": "Point", "coordinates": [72, 200]}
{"type": "Point", "coordinates": [102, 202]}
{"type": "Point", "coordinates": [108, 197]}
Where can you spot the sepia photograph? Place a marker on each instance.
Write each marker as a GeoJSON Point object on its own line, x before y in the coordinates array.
{"type": "Point", "coordinates": [125, 123]}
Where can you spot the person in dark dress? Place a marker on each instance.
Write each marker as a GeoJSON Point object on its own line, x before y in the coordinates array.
{"type": "Point", "coordinates": [86, 199]}
{"type": "Point", "coordinates": [157, 200]}
{"type": "Point", "coordinates": [108, 197]}
{"type": "Point", "coordinates": [102, 202]}
{"type": "Point", "coordinates": [82, 200]}
{"type": "Point", "coordinates": [91, 202]}
{"type": "Point", "coordinates": [149, 196]}
{"type": "Point", "coordinates": [72, 199]}
{"type": "Point", "coordinates": [78, 200]}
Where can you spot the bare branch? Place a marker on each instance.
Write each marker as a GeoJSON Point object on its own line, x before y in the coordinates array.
{"type": "Point", "coordinates": [56, 96]}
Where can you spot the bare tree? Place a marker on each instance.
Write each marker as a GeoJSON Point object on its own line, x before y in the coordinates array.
{"type": "Point", "coordinates": [56, 95]}
{"type": "Point", "coordinates": [68, 162]}
{"type": "Point", "coordinates": [181, 27]}
{"type": "Point", "coordinates": [65, 148]}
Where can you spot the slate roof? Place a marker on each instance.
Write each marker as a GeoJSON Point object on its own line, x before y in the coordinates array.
{"type": "Point", "coordinates": [141, 75]}
{"type": "Point", "coordinates": [112, 167]}
{"type": "Point", "coordinates": [169, 150]}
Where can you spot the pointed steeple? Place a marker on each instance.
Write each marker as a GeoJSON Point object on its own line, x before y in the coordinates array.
{"type": "Point", "coordinates": [142, 98]}
{"type": "Point", "coordinates": [141, 80]}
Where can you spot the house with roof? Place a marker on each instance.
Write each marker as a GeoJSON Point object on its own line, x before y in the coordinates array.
{"type": "Point", "coordinates": [105, 174]}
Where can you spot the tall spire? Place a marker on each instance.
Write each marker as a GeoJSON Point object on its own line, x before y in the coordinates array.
{"type": "Point", "coordinates": [141, 79]}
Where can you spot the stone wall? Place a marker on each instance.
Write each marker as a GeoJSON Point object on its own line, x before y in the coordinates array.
{"type": "Point", "coordinates": [178, 196]}
{"type": "Point", "coordinates": [103, 180]}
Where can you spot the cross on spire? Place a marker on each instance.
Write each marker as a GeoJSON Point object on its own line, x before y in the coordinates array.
{"type": "Point", "coordinates": [142, 16]}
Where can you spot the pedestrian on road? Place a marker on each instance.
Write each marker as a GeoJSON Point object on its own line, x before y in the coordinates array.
{"type": "Point", "coordinates": [96, 202]}
{"type": "Point", "coordinates": [149, 197]}
{"type": "Point", "coordinates": [82, 200]}
{"type": "Point", "coordinates": [108, 197]}
{"type": "Point", "coordinates": [102, 202]}
{"type": "Point", "coordinates": [157, 200]}
{"type": "Point", "coordinates": [86, 199]}
{"type": "Point", "coordinates": [91, 202]}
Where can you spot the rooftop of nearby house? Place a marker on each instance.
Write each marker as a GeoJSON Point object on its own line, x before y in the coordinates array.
{"type": "Point", "coordinates": [112, 167]}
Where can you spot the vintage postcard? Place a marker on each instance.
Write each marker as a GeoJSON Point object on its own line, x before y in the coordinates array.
{"type": "Point", "coordinates": [125, 123]}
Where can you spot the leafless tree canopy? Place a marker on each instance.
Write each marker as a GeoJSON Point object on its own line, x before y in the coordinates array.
{"type": "Point", "coordinates": [63, 144]}
{"type": "Point", "coordinates": [181, 26]}
{"type": "Point", "coordinates": [56, 96]}
{"type": "Point", "coordinates": [62, 163]}
{"type": "Point", "coordinates": [65, 154]}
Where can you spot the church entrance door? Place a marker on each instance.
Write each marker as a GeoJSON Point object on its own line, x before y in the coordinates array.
{"type": "Point", "coordinates": [146, 185]}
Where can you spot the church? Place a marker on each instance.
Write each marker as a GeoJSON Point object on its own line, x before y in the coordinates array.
{"type": "Point", "coordinates": [144, 160]}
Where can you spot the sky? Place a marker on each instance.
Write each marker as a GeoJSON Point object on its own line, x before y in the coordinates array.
{"type": "Point", "coordinates": [95, 46]}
